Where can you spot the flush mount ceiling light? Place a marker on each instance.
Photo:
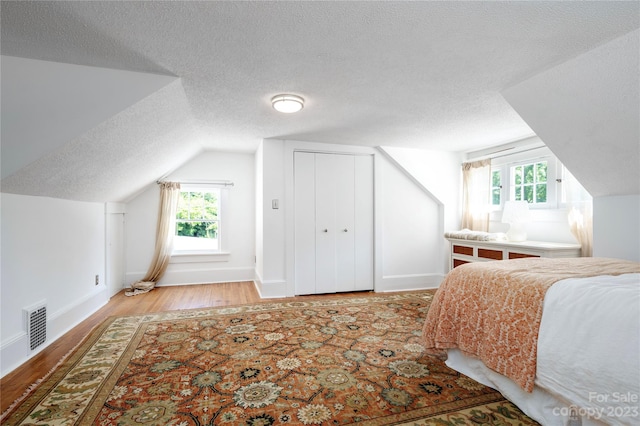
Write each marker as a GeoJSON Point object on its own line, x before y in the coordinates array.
{"type": "Point", "coordinates": [287, 103]}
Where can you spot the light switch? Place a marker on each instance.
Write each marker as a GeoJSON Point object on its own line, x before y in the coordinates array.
{"type": "Point", "coordinates": [275, 204]}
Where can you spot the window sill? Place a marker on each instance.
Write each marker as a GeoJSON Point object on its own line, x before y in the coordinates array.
{"type": "Point", "coordinates": [199, 256]}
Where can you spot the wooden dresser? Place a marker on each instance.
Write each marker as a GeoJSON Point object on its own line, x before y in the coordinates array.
{"type": "Point", "coordinates": [465, 251]}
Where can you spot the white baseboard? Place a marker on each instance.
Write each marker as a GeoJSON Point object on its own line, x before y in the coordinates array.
{"type": "Point", "coordinates": [198, 276]}
{"type": "Point", "coordinates": [271, 288]}
{"type": "Point", "coordinates": [15, 351]}
{"type": "Point", "coordinates": [409, 282]}
{"type": "Point", "coordinates": [278, 288]}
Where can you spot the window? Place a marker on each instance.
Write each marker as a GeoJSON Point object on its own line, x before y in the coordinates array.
{"type": "Point", "coordinates": [529, 183]}
{"type": "Point", "coordinates": [496, 187]}
{"type": "Point", "coordinates": [198, 221]}
{"type": "Point", "coordinates": [527, 177]}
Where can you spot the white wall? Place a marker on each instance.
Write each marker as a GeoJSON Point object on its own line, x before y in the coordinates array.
{"type": "Point", "coordinates": [114, 247]}
{"type": "Point", "coordinates": [404, 215]}
{"type": "Point", "coordinates": [52, 250]}
{"type": "Point", "coordinates": [239, 224]}
{"type": "Point", "coordinates": [259, 242]}
{"type": "Point", "coordinates": [440, 173]}
{"type": "Point", "coordinates": [271, 254]}
{"type": "Point", "coordinates": [550, 225]}
{"type": "Point", "coordinates": [616, 227]}
{"type": "Point", "coordinates": [412, 242]}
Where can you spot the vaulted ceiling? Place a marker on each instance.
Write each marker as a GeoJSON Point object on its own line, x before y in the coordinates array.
{"type": "Point", "coordinates": [141, 87]}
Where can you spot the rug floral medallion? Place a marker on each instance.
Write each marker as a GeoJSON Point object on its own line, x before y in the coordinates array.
{"type": "Point", "coordinates": [330, 361]}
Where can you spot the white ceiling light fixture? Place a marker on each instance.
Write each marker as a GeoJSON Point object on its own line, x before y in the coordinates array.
{"type": "Point", "coordinates": [287, 103]}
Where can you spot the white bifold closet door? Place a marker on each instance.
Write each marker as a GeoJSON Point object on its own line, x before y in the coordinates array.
{"type": "Point", "coordinates": [333, 222]}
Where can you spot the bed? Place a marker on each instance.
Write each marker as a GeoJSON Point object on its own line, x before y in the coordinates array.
{"type": "Point", "coordinates": [560, 338]}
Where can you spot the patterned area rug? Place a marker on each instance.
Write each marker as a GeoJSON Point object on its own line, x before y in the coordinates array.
{"type": "Point", "coordinates": [329, 361]}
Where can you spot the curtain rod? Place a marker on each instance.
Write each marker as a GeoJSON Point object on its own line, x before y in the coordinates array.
{"type": "Point", "coordinates": [503, 153]}
{"type": "Point", "coordinates": [517, 152]}
{"type": "Point", "coordinates": [202, 182]}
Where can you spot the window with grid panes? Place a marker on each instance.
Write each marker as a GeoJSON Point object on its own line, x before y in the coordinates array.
{"type": "Point", "coordinates": [529, 183]}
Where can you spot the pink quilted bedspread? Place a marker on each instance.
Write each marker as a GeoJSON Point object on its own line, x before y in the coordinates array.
{"type": "Point", "coordinates": [492, 310]}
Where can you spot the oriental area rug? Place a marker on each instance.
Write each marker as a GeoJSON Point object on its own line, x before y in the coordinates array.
{"type": "Point", "coordinates": [323, 361]}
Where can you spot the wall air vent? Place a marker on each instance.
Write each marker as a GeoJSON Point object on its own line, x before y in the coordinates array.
{"type": "Point", "coordinates": [36, 319]}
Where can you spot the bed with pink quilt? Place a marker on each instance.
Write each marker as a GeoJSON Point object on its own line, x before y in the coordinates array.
{"type": "Point", "coordinates": [558, 337]}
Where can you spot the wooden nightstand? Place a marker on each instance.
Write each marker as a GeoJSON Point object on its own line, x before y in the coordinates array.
{"type": "Point", "coordinates": [465, 251]}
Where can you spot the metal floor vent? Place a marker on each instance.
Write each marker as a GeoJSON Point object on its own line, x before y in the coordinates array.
{"type": "Point", "coordinates": [36, 325]}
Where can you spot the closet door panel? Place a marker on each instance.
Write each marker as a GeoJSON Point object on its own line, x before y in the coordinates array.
{"type": "Point", "coordinates": [343, 171]}
{"type": "Point", "coordinates": [325, 185]}
{"type": "Point", "coordinates": [363, 222]}
{"type": "Point", "coordinates": [333, 231]}
{"type": "Point", "coordinates": [304, 216]}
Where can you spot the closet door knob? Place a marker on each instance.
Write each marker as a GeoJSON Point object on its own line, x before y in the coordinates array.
{"type": "Point", "coordinates": [325, 230]}
{"type": "Point", "coordinates": [344, 230]}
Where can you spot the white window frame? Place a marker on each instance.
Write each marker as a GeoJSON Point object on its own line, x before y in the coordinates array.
{"type": "Point", "coordinates": [222, 207]}
{"type": "Point", "coordinates": [505, 163]}
{"type": "Point", "coordinates": [499, 188]}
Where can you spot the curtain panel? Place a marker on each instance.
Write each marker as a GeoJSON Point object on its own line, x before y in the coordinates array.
{"type": "Point", "coordinates": [476, 193]}
{"type": "Point", "coordinates": [165, 230]}
{"type": "Point", "coordinates": [580, 212]}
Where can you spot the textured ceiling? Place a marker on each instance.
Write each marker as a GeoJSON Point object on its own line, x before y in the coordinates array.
{"type": "Point", "coordinates": [412, 74]}
{"type": "Point", "coordinates": [591, 115]}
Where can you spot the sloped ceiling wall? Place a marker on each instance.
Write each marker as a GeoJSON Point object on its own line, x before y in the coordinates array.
{"type": "Point", "coordinates": [587, 111]}
{"type": "Point", "coordinates": [47, 104]}
{"type": "Point", "coordinates": [88, 133]}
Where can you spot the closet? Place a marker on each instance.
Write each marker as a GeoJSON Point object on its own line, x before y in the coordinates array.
{"type": "Point", "coordinates": [333, 198]}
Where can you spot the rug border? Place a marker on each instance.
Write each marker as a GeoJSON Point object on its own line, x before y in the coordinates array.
{"type": "Point", "coordinates": [428, 412]}
{"type": "Point", "coordinates": [40, 388]}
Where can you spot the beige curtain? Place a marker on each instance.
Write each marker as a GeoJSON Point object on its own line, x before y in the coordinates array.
{"type": "Point", "coordinates": [165, 230]}
{"type": "Point", "coordinates": [476, 193]}
{"type": "Point", "coordinates": [580, 208]}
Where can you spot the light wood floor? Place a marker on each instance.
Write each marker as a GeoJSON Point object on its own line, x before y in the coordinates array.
{"type": "Point", "coordinates": [14, 384]}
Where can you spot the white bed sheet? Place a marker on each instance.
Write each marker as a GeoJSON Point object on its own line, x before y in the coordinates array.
{"type": "Point", "coordinates": [588, 355]}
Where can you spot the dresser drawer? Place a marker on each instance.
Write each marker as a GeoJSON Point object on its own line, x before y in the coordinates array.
{"type": "Point", "coordinates": [490, 254]}
{"type": "Point", "coordinates": [458, 262]}
{"type": "Point", "coordinates": [513, 255]}
{"type": "Point", "coordinates": [468, 251]}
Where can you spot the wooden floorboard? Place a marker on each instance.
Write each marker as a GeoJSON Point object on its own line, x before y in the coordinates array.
{"type": "Point", "coordinates": [14, 384]}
